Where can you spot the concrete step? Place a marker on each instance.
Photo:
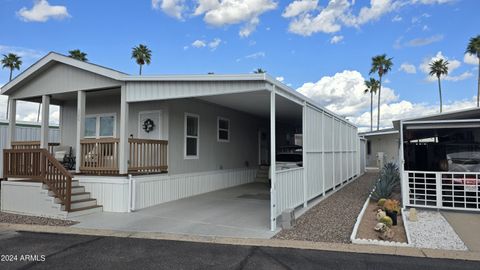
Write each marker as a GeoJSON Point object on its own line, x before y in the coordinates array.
{"type": "Point", "coordinates": [77, 197]}
{"type": "Point", "coordinates": [81, 204]}
{"type": "Point", "coordinates": [75, 190]}
{"type": "Point", "coordinates": [84, 211]}
{"type": "Point", "coordinates": [75, 183]}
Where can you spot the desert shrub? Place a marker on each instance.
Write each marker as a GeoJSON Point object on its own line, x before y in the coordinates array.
{"type": "Point", "coordinates": [392, 206]}
{"type": "Point", "coordinates": [389, 178]}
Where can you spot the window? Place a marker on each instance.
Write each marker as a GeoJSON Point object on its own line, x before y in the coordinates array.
{"type": "Point", "coordinates": [369, 148]}
{"type": "Point", "coordinates": [192, 126]}
{"type": "Point", "coordinates": [97, 126]}
{"type": "Point", "coordinates": [223, 129]}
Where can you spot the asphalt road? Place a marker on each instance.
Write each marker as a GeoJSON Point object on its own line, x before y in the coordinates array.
{"type": "Point", "coordinates": [92, 252]}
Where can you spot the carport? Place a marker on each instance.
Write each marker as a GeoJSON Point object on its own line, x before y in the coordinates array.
{"type": "Point", "coordinates": [240, 211]}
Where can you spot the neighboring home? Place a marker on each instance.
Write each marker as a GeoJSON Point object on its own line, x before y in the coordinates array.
{"type": "Point", "coordinates": [382, 147]}
{"type": "Point", "coordinates": [25, 132]}
{"type": "Point", "coordinates": [140, 141]}
{"type": "Point", "coordinates": [440, 157]}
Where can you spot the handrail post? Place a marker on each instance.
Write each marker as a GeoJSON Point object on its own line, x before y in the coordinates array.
{"type": "Point", "coordinates": [68, 194]}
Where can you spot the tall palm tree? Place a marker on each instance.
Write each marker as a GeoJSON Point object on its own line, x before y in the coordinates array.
{"type": "Point", "coordinates": [142, 55]}
{"type": "Point", "coordinates": [259, 71]}
{"type": "Point", "coordinates": [77, 54]}
{"type": "Point", "coordinates": [438, 68]}
{"type": "Point", "coordinates": [380, 65]}
{"type": "Point", "coordinates": [11, 61]}
{"type": "Point", "coordinates": [473, 48]}
{"type": "Point", "coordinates": [371, 87]}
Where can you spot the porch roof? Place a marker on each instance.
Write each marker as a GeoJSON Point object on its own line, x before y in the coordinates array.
{"type": "Point", "coordinates": [453, 116]}
{"type": "Point", "coordinates": [53, 58]}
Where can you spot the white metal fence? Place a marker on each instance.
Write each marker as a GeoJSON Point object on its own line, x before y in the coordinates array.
{"type": "Point", "coordinates": [445, 190]}
{"type": "Point", "coordinates": [290, 189]}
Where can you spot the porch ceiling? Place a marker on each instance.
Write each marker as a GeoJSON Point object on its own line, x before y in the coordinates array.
{"type": "Point", "coordinates": [258, 104]}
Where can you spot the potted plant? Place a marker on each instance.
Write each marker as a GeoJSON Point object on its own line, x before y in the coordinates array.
{"type": "Point", "coordinates": [392, 209]}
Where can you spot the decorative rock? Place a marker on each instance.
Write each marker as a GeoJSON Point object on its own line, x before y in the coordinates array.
{"type": "Point", "coordinates": [380, 227]}
{"type": "Point", "coordinates": [380, 214]}
{"type": "Point", "coordinates": [387, 235]}
{"type": "Point", "coordinates": [412, 214]}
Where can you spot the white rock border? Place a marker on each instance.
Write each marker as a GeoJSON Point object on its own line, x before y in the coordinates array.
{"type": "Point", "coordinates": [363, 241]}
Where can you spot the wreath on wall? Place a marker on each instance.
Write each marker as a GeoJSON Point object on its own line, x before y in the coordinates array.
{"type": "Point", "coordinates": [148, 125]}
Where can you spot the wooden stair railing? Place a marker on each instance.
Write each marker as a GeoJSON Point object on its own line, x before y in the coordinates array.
{"type": "Point", "coordinates": [39, 164]}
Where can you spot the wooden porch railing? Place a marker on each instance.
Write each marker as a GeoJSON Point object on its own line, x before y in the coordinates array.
{"type": "Point", "coordinates": [32, 145]}
{"type": "Point", "coordinates": [100, 156]}
{"type": "Point", "coordinates": [147, 156]}
{"type": "Point", "coordinates": [38, 164]}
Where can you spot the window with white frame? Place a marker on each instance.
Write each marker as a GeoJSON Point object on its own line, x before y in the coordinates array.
{"type": "Point", "coordinates": [223, 129]}
{"type": "Point", "coordinates": [100, 125]}
{"type": "Point", "coordinates": [192, 138]}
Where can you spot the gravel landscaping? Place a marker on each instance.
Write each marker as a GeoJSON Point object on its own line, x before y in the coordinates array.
{"type": "Point", "coordinates": [22, 219]}
{"type": "Point", "coordinates": [433, 231]}
{"type": "Point", "coordinates": [332, 220]}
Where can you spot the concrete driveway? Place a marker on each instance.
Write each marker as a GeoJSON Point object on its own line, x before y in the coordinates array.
{"type": "Point", "coordinates": [242, 211]}
{"type": "Point", "coordinates": [466, 225]}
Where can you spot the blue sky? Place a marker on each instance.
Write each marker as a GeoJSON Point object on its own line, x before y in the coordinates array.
{"type": "Point", "coordinates": [322, 48]}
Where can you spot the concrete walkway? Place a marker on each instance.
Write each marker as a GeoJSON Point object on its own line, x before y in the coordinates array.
{"type": "Point", "coordinates": [467, 226]}
{"type": "Point", "coordinates": [242, 211]}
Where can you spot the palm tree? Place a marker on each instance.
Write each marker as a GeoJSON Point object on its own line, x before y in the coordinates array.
{"type": "Point", "coordinates": [438, 68]}
{"type": "Point", "coordinates": [371, 87]}
{"type": "Point", "coordinates": [380, 65]}
{"type": "Point", "coordinates": [11, 61]}
{"type": "Point", "coordinates": [142, 55]}
{"type": "Point", "coordinates": [259, 71]}
{"type": "Point", "coordinates": [77, 54]}
{"type": "Point", "coordinates": [473, 48]}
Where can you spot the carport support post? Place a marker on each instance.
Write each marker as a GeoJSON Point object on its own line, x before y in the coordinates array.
{"type": "Point", "coordinates": [403, 180]}
{"type": "Point", "coordinates": [81, 99]}
{"type": "Point", "coordinates": [45, 121]}
{"type": "Point", "coordinates": [273, 193]}
{"type": "Point", "coordinates": [11, 122]}
{"type": "Point", "coordinates": [304, 155]}
{"type": "Point", "coordinates": [123, 145]}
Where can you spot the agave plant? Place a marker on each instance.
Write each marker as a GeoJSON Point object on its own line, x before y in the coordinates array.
{"type": "Point", "coordinates": [389, 178]}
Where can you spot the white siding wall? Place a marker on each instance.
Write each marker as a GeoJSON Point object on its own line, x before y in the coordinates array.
{"type": "Point", "coordinates": [111, 192]}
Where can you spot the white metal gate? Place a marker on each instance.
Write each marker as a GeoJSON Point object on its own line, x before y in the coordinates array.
{"type": "Point", "coordinates": [443, 190]}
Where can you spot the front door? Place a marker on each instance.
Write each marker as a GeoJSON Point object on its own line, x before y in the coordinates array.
{"type": "Point", "coordinates": [149, 125]}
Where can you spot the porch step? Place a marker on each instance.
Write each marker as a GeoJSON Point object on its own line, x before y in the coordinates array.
{"type": "Point", "coordinates": [95, 207]}
{"type": "Point", "coordinates": [262, 174]}
{"type": "Point", "coordinates": [81, 204]}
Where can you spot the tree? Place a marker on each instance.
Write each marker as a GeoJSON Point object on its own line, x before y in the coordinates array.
{"type": "Point", "coordinates": [259, 71]}
{"type": "Point", "coordinates": [380, 65]}
{"type": "Point", "coordinates": [473, 48]}
{"type": "Point", "coordinates": [371, 87]}
{"type": "Point", "coordinates": [77, 54]}
{"type": "Point", "coordinates": [11, 61]}
{"type": "Point", "coordinates": [438, 68]}
{"type": "Point", "coordinates": [142, 55]}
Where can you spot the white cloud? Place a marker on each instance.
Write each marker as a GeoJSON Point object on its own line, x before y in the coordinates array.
{"type": "Point", "coordinates": [228, 12]}
{"type": "Point", "coordinates": [256, 55]}
{"type": "Point", "coordinates": [408, 68]}
{"type": "Point", "coordinates": [21, 51]}
{"type": "Point", "coordinates": [28, 111]}
{"type": "Point", "coordinates": [298, 7]}
{"type": "Point", "coordinates": [307, 18]}
{"type": "Point", "coordinates": [214, 43]}
{"type": "Point", "coordinates": [336, 39]}
{"type": "Point", "coordinates": [453, 64]}
{"type": "Point", "coordinates": [470, 59]}
{"type": "Point", "coordinates": [343, 93]}
{"type": "Point", "coordinates": [280, 79]}
{"type": "Point", "coordinates": [424, 41]}
{"type": "Point", "coordinates": [42, 11]}
{"type": "Point", "coordinates": [397, 18]}
{"type": "Point", "coordinates": [199, 43]}
{"type": "Point", "coordinates": [173, 8]}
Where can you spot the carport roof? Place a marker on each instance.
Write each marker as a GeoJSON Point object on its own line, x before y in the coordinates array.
{"type": "Point", "coordinates": [464, 114]}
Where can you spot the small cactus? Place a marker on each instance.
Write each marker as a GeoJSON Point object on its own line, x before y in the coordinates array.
{"type": "Point", "coordinates": [381, 202]}
{"type": "Point", "coordinates": [387, 220]}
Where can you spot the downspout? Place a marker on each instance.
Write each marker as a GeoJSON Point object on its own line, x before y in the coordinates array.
{"type": "Point", "coordinates": [131, 194]}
